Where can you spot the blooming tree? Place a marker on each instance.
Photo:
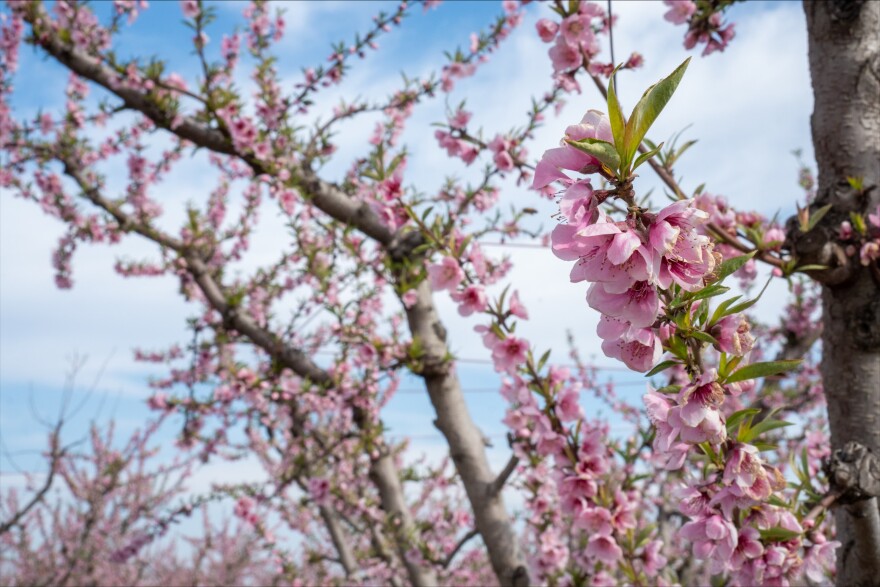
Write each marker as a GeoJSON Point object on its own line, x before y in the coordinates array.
{"type": "Point", "coordinates": [710, 484]}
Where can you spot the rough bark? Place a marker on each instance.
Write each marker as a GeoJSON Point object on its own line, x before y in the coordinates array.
{"type": "Point", "coordinates": [465, 440]}
{"type": "Point", "coordinates": [844, 48]}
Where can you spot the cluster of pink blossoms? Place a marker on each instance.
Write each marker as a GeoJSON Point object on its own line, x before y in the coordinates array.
{"type": "Point", "coordinates": [863, 239]}
{"type": "Point", "coordinates": [636, 267]}
{"type": "Point", "coordinates": [704, 27]}
{"type": "Point", "coordinates": [576, 44]}
{"type": "Point", "coordinates": [625, 261]}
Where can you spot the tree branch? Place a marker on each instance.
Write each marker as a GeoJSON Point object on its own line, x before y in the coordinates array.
{"type": "Point", "coordinates": [464, 540]}
{"type": "Point", "coordinates": [497, 485]}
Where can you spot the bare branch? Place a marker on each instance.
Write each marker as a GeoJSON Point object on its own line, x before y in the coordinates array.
{"type": "Point", "coordinates": [497, 485]}
{"type": "Point", "coordinates": [464, 540]}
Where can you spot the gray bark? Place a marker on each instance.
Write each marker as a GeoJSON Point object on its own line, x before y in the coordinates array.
{"type": "Point", "coordinates": [844, 49]}
{"type": "Point", "coordinates": [465, 441]}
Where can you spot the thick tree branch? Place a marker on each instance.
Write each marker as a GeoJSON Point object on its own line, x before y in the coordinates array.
{"type": "Point", "coordinates": [340, 542]}
{"type": "Point", "coordinates": [465, 440]}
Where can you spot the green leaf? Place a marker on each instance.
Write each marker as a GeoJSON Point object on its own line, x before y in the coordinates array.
{"type": "Point", "coordinates": [615, 114]}
{"type": "Point", "coordinates": [778, 534]}
{"type": "Point", "coordinates": [732, 265]}
{"type": "Point", "coordinates": [856, 183]}
{"type": "Point", "coordinates": [705, 337]}
{"type": "Point", "coordinates": [749, 303]}
{"type": "Point", "coordinates": [543, 360]}
{"type": "Point", "coordinates": [736, 417]}
{"type": "Point", "coordinates": [816, 216]}
{"type": "Point", "coordinates": [668, 389]}
{"type": "Point", "coordinates": [721, 311]}
{"type": "Point", "coordinates": [858, 222]}
{"type": "Point", "coordinates": [812, 267]}
{"type": "Point", "coordinates": [673, 157]}
{"type": "Point", "coordinates": [645, 156]}
{"type": "Point", "coordinates": [677, 347]}
{"type": "Point", "coordinates": [762, 427]}
{"type": "Point", "coordinates": [601, 150]}
{"type": "Point", "coordinates": [661, 367]}
{"type": "Point", "coordinates": [649, 107]}
{"type": "Point", "coordinates": [778, 502]}
{"type": "Point", "coordinates": [756, 370]}
{"type": "Point", "coordinates": [709, 292]}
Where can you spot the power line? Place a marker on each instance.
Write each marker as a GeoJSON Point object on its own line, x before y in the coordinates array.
{"type": "Point", "coordinates": [415, 390]}
{"type": "Point", "coordinates": [475, 361]}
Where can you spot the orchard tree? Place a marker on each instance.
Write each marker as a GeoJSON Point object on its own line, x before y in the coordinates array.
{"type": "Point", "coordinates": [726, 476]}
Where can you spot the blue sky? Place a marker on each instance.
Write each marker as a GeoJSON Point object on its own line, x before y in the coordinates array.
{"type": "Point", "coordinates": [749, 107]}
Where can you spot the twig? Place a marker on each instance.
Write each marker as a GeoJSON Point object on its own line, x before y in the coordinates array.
{"type": "Point", "coordinates": [497, 485]}
{"type": "Point", "coordinates": [448, 560]}
{"type": "Point", "coordinates": [824, 504]}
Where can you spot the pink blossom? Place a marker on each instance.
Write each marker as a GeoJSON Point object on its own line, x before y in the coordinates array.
{"type": "Point", "coordinates": [446, 274]}
{"type": "Point", "coordinates": [680, 11]}
{"type": "Point", "coordinates": [635, 61]}
{"type": "Point", "coordinates": [869, 253]}
{"type": "Point", "coordinates": [748, 547]}
{"type": "Point", "coordinates": [668, 426]}
{"type": "Point", "coordinates": [745, 472]}
{"type": "Point", "coordinates": [595, 520]}
{"type": "Point", "coordinates": [774, 237]}
{"type": "Point", "coordinates": [604, 548]}
{"type": "Point", "coordinates": [565, 57]}
{"type": "Point", "coordinates": [653, 559]}
{"type": "Point", "coordinates": [604, 253]}
{"type": "Point", "coordinates": [820, 558]}
{"type": "Point", "coordinates": [700, 398]}
{"type": "Point", "coordinates": [509, 354]}
{"type": "Point", "coordinates": [503, 161]}
{"type": "Point", "coordinates": [190, 8]}
{"type": "Point", "coordinates": [471, 299]}
{"type": "Point", "coordinates": [713, 536]}
{"type": "Point", "coordinates": [593, 125]}
{"type": "Point", "coordinates": [319, 489]}
{"type": "Point", "coordinates": [459, 119]}
{"type": "Point", "coordinates": [638, 305]}
{"type": "Point", "coordinates": [874, 218]}
{"type": "Point", "coordinates": [576, 29]}
{"type": "Point", "coordinates": [158, 402]}
{"type": "Point", "coordinates": [568, 405]}
{"type": "Point", "coordinates": [638, 348]}
{"type": "Point", "coordinates": [547, 29]}
{"type": "Point", "coordinates": [516, 308]}
{"type": "Point", "coordinates": [733, 335]}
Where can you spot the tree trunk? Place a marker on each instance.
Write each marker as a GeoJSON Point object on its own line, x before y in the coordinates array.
{"type": "Point", "coordinates": [844, 48]}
